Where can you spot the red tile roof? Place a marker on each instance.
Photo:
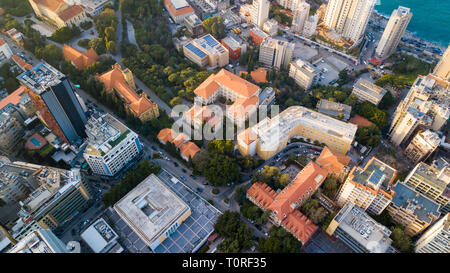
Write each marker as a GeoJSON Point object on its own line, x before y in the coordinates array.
{"type": "Point", "coordinates": [262, 194]}
{"type": "Point", "coordinates": [70, 13]}
{"type": "Point", "coordinates": [360, 121]}
{"type": "Point", "coordinates": [299, 226]}
{"type": "Point", "coordinates": [166, 134]}
{"type": "Point", "coordinates": [20, 62]}
{"type": "Point", "coordinates": [80, 59]}
{"type": "Point", "coordinates": [189, 149]}
{"type": "Point", "coordinates": [332, 161]}
{"type": "Point", "coordinates": [52, 5]}
{"type": "Point", "coordinates": [13, 98]}
{"type": "Point", "coordinates": [177, 12]}
{"type": "Point", "coordinates": [258, 75]}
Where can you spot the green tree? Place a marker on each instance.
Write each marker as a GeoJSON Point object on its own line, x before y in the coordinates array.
{"type": "Point", "coordinates": [400, 240]}
{"type": "Point", "coordinates": [279, 241]}
{"type": "Point", "coordinates": [111, 47]}
{"type": "Point", "coordinates": [98, 45]}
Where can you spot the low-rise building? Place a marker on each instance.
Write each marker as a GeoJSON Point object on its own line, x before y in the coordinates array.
{"type": "Point", "coordinates": [20, 100]}
{"type": "Point", "coordinates": [267, 96]}
{"type": "Point", "coordinates": [333, 162]}
{"type": "Point", "coordinates": [40, 241]}
{"type": "Point", "coordinates": [368, 91]}
{"type": "Point", "coordinates": [422, 146]}
{"type": "Point", "coordinates": [79, 59]}
{"type": "Point", "coordinates": [258, 75]}
{"type": "Point", "coordinates": [188, 150]}
{"type": "Point", "coordinates": [152, 210]}
{"type": "Point", "coordinates": [412, 209]}
{"type": "Point", "coordinates": [258, 36]}
{"type": "Point", "coordinates": [361, 233]}
{"type": "Point", "coordinates": [235, 46]}
{"type": "Point", "coordinates": [303, 73]}
{"type": "Point", "coordinates": [370, 187]}
{"type": "Point", "coordinates": [16, 36]}
{"type": "Point", "coordinates": [11, 132]}
{"type": "Point", "coordinates": [334, 109]}
{"type": "Point", "coordinates": [206, 51]}
{"type": "Point", "coordinates": [271, 135]}
{"type": "Point", "coordinates": [59, 12]}
{"type": "Point", "coordinates": [271, 27]}
{"type": "Point", "coordinates": [276, 53]}
{"type": "Point", "coordinates": [283, 205]}
{"type": "Point", "coordinates": [24, 66]}
{"type": "Point", "coordinates": [101, 238]}
{"type": "Point", "coordinates": [178, 10]}
{"type": "Point", "coordinates": [5, 52]}
{"type": "Point", "coordinates": [92, 7]}
{"type": "Point", "coordinates": [122, 82]}
{"type": "Point", "coordinates": [193, 25]}
{"type": "Point", "coordinates": [110, 145]}
{"type": "Point", "coordinates": [436, 239]}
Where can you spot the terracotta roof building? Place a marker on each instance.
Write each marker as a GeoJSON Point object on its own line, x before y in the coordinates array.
{"type": "Point", "coordinates": [18, 99]}
{"type": "Point", "coordinates": [188, 150]}
{"type": "Point", "coordinates": [284, 204]}
{"type": "Point", "coordinates": [165, 135]}
{"type": "Point", "coordinates": [21, 63]}
{"type": "Point", "coordinates": [258, 75]}
{"type": "Point", "coordinates": [178, 10]}
{"type": "Point", "coordinates": [332, 161]}
{"type": "Point", "coordinates": [122, 81]}
{"type": "Point", "coordinates": [80, 59]}
{"type": "Point", "coordinates": [58, 12]}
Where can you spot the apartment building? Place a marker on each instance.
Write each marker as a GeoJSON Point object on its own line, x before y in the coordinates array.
{"type": "Point", "coordinates": [55, 101]}
{"type": "Point", "coordinates": [275, 52]}
{"type": "Point", "coordinates": [258, 36]}
{"type": "Point", "coordinates": [436, 239]}
{"type": "Point", "coordinates": [442, 69]}
{"type": "Point", "coordinates": [258, 12]}
{"type": "Point", "coordinates": [16, 36]}
{"type": "Point", "coordinates": [79, 59]}
{"type": "Point", "coordinates": [432, 181]}
{"type": "Point", "coordinates": [11, 132]}
{"type": "Point", "coordinates": [122, 82]}
{"type": "Point", "coordinates": [19, 100]}
{"type": "Point", "coordinates": [110, 145]}
{"type": "Point", "coordinates": [301, 14]}
{"type": "Point", "coordinates": [311, 25]}
{"type": "Point", "coordinates": [59, 12]}
{"type": "Point", "coordinates": [349, 18]}
{"type": "Point", "coordinates": [303, 73]}
{"type": "Point", "coordinates": [235, 46]}
{"type": "Point", "coordinates": [290, 4]}
{"type": "Point", "coordinates": [422, 145]}
{"type": "Point", "coordinates": [334, 109]}
{"type": "Point", "coordinates": [271, 27]}
{"type": "Point", "coordinates": [368, 91]}
{"type": "Point", "coordinates": [370, 187]}
{"type": "Point", "coordinates": [271, 135]}
{"type": "Point", "coordinates": [5, 51]}
{"type": "Point", "coordinates": [412, 209]}
{"type": "Point", "coordinates": [178, 10]}
{"type": "Point", "coordinates": [393, 32]}
{"type": "Point", "coordinates": [193, 25]}
{"type": "Point", "coordinates": [283, 205]}
{"type": "Point", "coordinates": [360, 232]}
{"type": "Point", "coordinates": [425, 106]}
{"type": "Point", "coordinates": [206, 51]}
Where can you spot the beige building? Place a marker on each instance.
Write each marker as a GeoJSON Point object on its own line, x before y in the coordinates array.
{"type": "Point", "coordinates": [432, 181]}
{"type": "Point", "coordinates": [422, 145]}
{"type": "Point", "coordinates": [393, 32]}
{"type": "Point", "coordinates": [368, 91]}
{"type": "Point", "coordinates": [311, 25]}
{"type": "Point", "coordinates": [412, 209]}
{"type": "Point", "coordinates": [271, 135]}
{"type": "Point", "coordinates": [368, 187]}
{"type": "Point", "coordinates": [349, 18]}
{"type": "Point", "coordinates": [276, 53]}
{"type": "Point", "coordinates": [436, 239]}
{"type": "Point", "coordinates": [58, 12]}
{"type": "Point", "coordinates": [11, 132]}
{"type": "Point", "coordinates": [206, 52]}
{"type": "Point", "coordinates": [259, 12]}
{"type": "Point", "coordinates": [290, 4]}
{"type": "Point", "coordinates": [271, 27]}
{"type": "Point", "coordinates": [301, 14]}
{"type": "Point", "coordinates": [303, 73]}
{"type": "Point", "coordinates": [442, 69]}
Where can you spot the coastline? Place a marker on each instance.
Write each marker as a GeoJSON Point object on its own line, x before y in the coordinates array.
{"type": "Point", "coordinates": [408, 34]}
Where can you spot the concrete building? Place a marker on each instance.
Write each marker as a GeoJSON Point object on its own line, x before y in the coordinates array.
{"type": "Point", "coordinates": [422, 145]}
{"type": "Point", "coordinates": [235, 45]}
{"type": "Point", "coordinates": [40, 241]}
{"type": "Point", "coordinates": [368, 91]}
{"type": "Point", "coordinates": [16, 36]}
{"type": "Point", "coordinates": [334, 109]}
{"type": "Point", "coordinates": [436, 239]}
{"type": "Point", "coordinates": [283, 205]}
{"type": "Point", "coordinates": [271, 27]}
{"type": "Point", "coordinates": [370, 187]}
{"type": "Point", "coordinates": [301, 14]}
{"type": "Point", "coordinates": [24, 66]}
{"type": "Point", "coordinates": [258, 36]}
{"type": "Point", "coordinates": [310, 25]}
{"type": "Point", "coordinates": [19, 100]}
{"type": "Point", "coordinates": [271, 135]}
{"type": "Point", "coordinates": [122, 82]}
{"type": "Point", "coordinates": [56, 104]}
{"type": "Point", "coordinates": [152, 210]}
{"type": "Point", "coordinates": [206, 52]}
{"type": "Point", "coordinates": [304, 74]}
{"type": "Point", "coordinates": [361, 233]}
{"type": "Point", "coordinates": [178, 10]}
{"type": "Point", "coordinates": [259, 12]}
{"type": "Point", "coordinates": [193, 25]}
{"type": "Point", "coordinates": [349, 18]}
{"type": "Point", "coordinates": [290, 4]}
{"type": "Point", "coordinates": [79, 59]}
{"type": "Point", "coordinates": [59, 12]}
{"type": "Point", "coordinates": [393, 32]}
{"type": "Point", "coordinates": [412, 209]}
{"type": "Point", "coordinates": [276, 53]}
{"type": "Point", "coordinates": [5, 51]}
{"type": "Point", "coordinates": [110, 145]}
{"type": "Point", "coordinates": [11, 132]}
{"type": "Point", "coordinates": [101, 238]}
{"type": "Point", "coordinates": [442, 69]}
{"type": "Point", "coordinates": [91, 7]}
{"type": "Point", "coordinates": [432, 181]}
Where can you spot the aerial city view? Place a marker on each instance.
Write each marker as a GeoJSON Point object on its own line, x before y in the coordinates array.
{"type": "Point", "coordinates": [224, 126]}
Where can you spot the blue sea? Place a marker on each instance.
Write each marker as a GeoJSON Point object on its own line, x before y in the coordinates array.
{"type": "Point", "coordinates": [430, 20]}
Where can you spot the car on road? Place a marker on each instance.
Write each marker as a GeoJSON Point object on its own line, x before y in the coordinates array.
{"type": "Point", "coordinates": [199, 190]}
{"type": "Point", "coordinates": [183, 170]}
{"type": "Point", "coordinates": [176, 164]}
{"type": "Point", "coordinates": [193, 176]}
{"type": "Point", "coordinates": [154, 148]}
{"type": "Point", "coordinates": [205, 183]}
{"type": "Point", "coordinates": [183, 178]}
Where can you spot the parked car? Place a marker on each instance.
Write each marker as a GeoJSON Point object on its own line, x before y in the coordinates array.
{"type": "Point", "coordinates": [193, 176]}
{"type": "Point", "coordinates": [199, 190]}
{"type": "Point", "coordinates": [205, 183]}
{"type": "Point", "coordinates": [175, 163]}
{"type": "Point", "coordinates": [183, 170]}
{"type": "Point", "coordinates": [183, 178]}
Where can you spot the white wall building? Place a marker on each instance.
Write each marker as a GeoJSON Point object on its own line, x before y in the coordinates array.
{"type": "Point", "coordinates": [436, 239]}
{"type": "Point", "coordinates": [303, 73]}
{"type": "Point", "coordinates": [276, 53]}
{"type": "Point", "coordinates": [310, 25]}
{"type": "Point", "coordinates": [5, 51]}
{"type": "Point", "coordinates": [301, 13]}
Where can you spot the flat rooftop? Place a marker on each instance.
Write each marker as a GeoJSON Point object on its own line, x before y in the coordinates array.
{"type": "Point", "coordinates": [370, 88]}
{"type": "Point", "coordinates": [376, 174]}
{"type": "Point", "coordinates": [151, 208]}
{"type": "Point", "coordinates": [99, 235]}
{"type": "Point", "coordinates": [363, 229]}
{"type": "Point", "coordinates": [39, 241]}
{"type": "Point", "coordinates": [40, 77]}
{"type": "Point", "coordinates": [331, 107]}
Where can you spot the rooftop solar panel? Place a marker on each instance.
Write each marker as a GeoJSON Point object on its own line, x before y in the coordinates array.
{"type": "Point", "coordinates": [210, 41]}
{"type": "Point", "coordinates": [376, 176]}
{"type": "Point", "coordinates": [196, 50]}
